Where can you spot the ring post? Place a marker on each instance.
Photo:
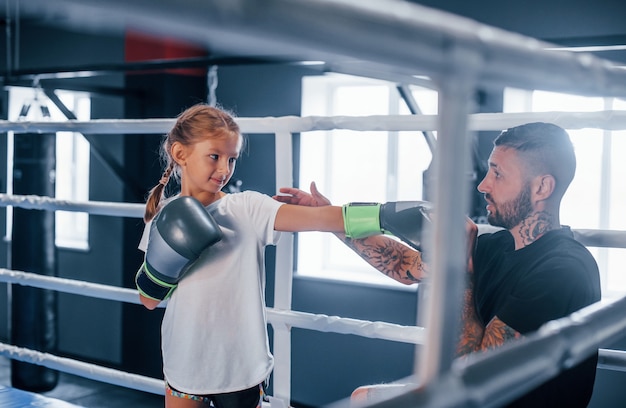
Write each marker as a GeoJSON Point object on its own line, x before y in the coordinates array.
{"type": "Point", "coordinates": [440, 309]}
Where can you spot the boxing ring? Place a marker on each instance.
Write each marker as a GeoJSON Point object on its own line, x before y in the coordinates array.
{"type": "Point", "coordinates": [559, 337]}
{"type": "Point", "coordinates": [398, 39]}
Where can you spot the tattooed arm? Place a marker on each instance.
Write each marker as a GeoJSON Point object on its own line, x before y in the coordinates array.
{"type": "Point", "coordinates": [388, 255]}
{"type": "Point", "coordinates": [474, 335]}
{"type": "Point", "coordinates": [475, 338]}
{"type": "Point", "coordinates": [391, 257]}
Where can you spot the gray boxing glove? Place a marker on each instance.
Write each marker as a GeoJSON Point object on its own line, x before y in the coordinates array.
{"type": "Point", "coordinates": [407, 220]}
{"type": "Point", "coordinates": [179, 233]}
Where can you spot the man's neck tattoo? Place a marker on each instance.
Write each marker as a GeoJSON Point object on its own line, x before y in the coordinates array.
{"type": "Point", "coordinates": [535, 226]}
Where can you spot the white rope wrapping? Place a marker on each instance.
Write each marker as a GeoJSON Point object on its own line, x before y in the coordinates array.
{"type": "Point", "coordinates": [34, 202]}
{"type": "Point", "coordinates": [87, 370]}
{"type": "Point", "coordinates": [283, 274]}
{"type": "Point", "coordinates": [72, 286]}
{"type": "Point", "coordinates": [609, 120]}
{"type": "Point", "coordinates": [588, 237]}
{"type": "Point", "coordinates": [344, 325]}
{"type": "Point", "coordinates": [92, 127]}
{"type": "Point", "coordinates": [601, 238]}
{"type": "Point", "coordinates": [380, 330]}
{"type": "Point", "coordinates": [612, 360]}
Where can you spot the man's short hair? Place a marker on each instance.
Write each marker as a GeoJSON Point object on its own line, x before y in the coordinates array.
{"type": "Point", "coordinates": [545, 148]}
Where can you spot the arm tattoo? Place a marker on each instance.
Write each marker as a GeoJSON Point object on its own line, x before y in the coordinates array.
{"type": "Point", "coordinates": [390, 257]}
{"type": "Point", "coordinates": [497, 333]}
{"type": "Point", "coordinates": [475, 338]}
{"type": "Point", "coordinates": [472, 330]}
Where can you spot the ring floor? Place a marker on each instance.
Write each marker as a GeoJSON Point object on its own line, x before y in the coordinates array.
{"type": "Point", "coordinates": [86, 393]}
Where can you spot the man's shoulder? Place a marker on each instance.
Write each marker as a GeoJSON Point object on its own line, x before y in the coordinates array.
{"type": "Point", "coordinates": [489, 235]}
{"type": "Point", "coordinates": [562, 243]}
{"type": "Point", "coordinates": [570, 261]}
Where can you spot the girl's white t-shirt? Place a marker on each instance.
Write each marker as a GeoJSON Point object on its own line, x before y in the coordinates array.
{"type": "Point", "coordinates": [214, 332]}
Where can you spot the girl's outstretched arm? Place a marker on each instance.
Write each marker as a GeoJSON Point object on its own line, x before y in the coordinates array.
{"type": "Point", "coordinates": [307, 212]}
{"type": "Point", "coordinates": [298, 218]}
{"type": "Point", "coordinates": [388, 255]}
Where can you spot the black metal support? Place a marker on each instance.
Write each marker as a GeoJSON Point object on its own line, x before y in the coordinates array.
{"type": "Point", "coordinates": [98, 149]}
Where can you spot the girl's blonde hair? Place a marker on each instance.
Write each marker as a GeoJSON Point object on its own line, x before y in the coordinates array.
{"type": "Point", "coordinates": [195, 124]}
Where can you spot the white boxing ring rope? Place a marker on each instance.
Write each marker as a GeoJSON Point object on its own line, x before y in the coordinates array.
{"type": "Point", "coordinates": [34, 202]}
{"type": "Point", "coordinates": [303, 320]}
{"type": "Point", "coordinates": [281, 317]}
{"type": "Point", "coordinates": [609, 120]}
{"type": "Point", "coordinates": [319, 322]}
{"type": "Point", "coordinates": [82, 369]}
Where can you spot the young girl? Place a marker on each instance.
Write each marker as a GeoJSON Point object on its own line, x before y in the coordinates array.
{"type": "Point", "coordinates": [214, 332]}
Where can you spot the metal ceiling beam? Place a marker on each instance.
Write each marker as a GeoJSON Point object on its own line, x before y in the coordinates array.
{"type": "Point", "coordinates": [394, 33]}
{"type": "Point", "coordinates": [86, 71]}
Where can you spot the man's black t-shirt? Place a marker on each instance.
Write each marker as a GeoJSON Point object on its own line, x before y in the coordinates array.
{"type": "Point", "coordinates": [546, 280]}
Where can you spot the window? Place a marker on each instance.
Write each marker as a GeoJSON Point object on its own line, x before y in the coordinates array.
{"type": "Point", "coordinates": [597, 196]}
{"type": "Point", "coordinates": [388, 166]}
{"type": "Point", "coordinates": [72, 159]}
{"type": "Point", "coordinates": [357, 166]}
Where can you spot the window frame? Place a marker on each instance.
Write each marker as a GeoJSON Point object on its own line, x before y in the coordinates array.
{"type": "Point", "coordinates": [326, 263]}
{"type": "Point", "coordinates": [76, 223]}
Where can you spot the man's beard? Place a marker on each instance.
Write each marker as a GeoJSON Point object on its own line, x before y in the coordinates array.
{"type": "Point", "coordinates": [511, 213]}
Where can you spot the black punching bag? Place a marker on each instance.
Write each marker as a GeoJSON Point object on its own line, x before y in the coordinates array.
{"type": "Point", "coordinates": [33, 310]}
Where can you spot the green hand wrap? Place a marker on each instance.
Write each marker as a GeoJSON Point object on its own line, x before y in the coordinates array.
{"type": "Point", "coordinates": [361, 220]}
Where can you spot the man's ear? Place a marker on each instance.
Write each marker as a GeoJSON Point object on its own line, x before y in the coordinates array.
{"type": "Point", "coordinates": [544, 186]}
{"type": "Point", "coordinates": [179, 153]}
